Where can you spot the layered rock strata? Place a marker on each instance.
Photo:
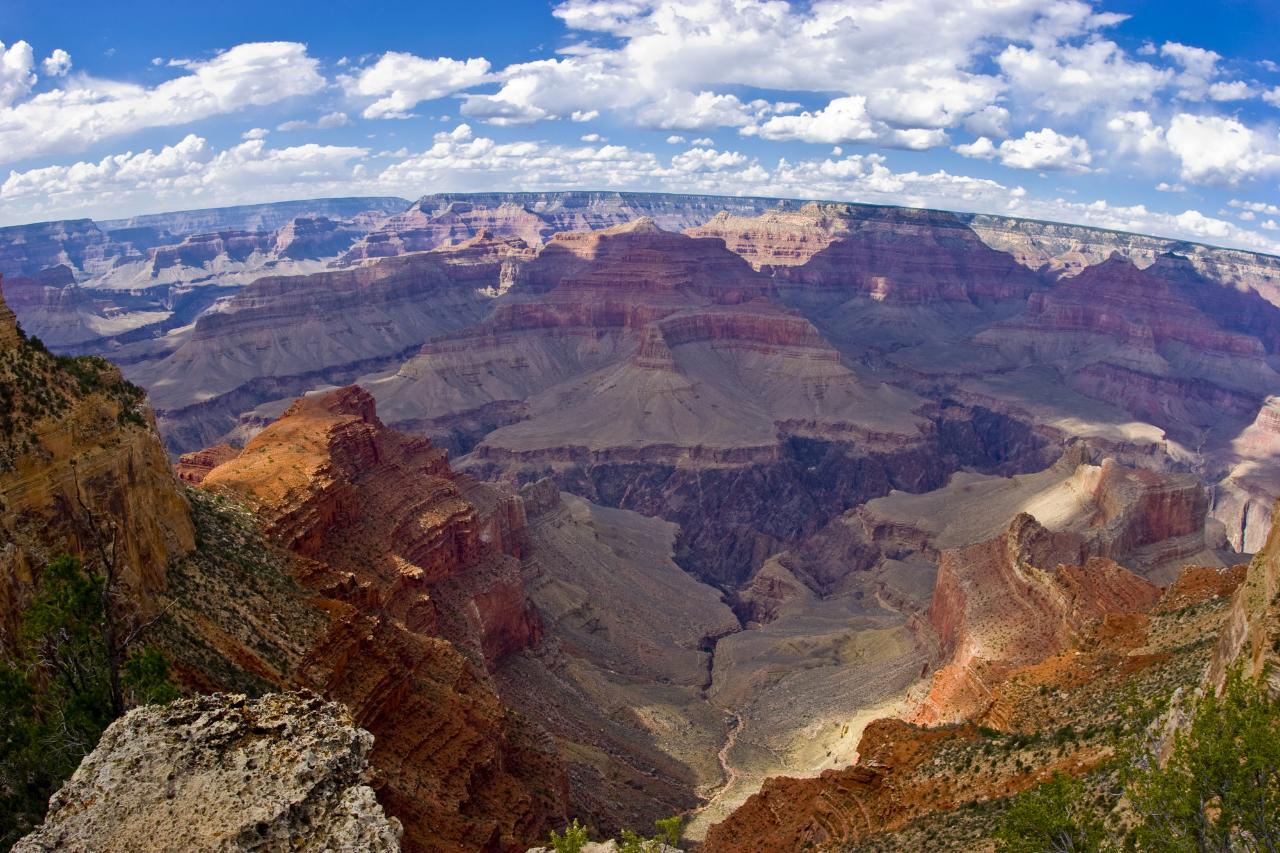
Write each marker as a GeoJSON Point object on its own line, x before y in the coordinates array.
{"type": "Point", "coordinates": [82, 471]}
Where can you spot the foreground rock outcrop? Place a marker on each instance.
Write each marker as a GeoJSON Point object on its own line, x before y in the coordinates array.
{"type": "Point", "coordinates": [286, 772]}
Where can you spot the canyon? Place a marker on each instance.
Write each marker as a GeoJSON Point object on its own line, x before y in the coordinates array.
{"type": "Point", "coordinates": [781, 516]}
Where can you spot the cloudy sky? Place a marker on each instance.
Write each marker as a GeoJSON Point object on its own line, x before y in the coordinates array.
{"type": "Point", "coordinates": [1160, 116]}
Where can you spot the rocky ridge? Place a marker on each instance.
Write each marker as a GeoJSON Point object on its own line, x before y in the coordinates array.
{"type": "Point", "coordinates": [222, 772]}
{"type": "Point", "coordinates": [81, 469]}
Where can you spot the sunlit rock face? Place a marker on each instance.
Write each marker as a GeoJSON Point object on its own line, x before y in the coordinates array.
{"type": "Point", "coordinates": [80, 460]}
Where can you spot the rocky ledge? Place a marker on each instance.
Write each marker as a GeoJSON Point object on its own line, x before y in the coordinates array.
{"type": "Point", "coordinates": [223, 772]}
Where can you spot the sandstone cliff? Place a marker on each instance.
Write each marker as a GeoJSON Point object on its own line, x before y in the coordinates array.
{"type": "Point", "coordinates": [915, 787]}
{"type": "Point", "coordinates": [221, 772]}
{"type": "Point", "coordinates": [399, 554]}
{"type": "Point", "coordinates": [82, 471]}
{"type": "Point", "coordinates": [281, 335]}
{"type": "Point", "coordinates": [1251, 637]}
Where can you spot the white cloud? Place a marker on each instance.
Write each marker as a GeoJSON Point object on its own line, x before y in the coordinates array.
{"type": "Point", "coordinates": [591, 137]}
{"type": "Point", "coordinates": [57, 64]}
{"type": "Point", "coordinates": [990, 121]}
{"type": "Point", "coordinates": [17, 71]}
{"type": "Point", "coordinates": [845, 120]}
{"type": "Point", "coordinates": [934, 102]}
{"type": "Point", "coordinates": [982, 148]}
{"type": "Point", "coordinates": [1196, 223]}
{"type": "Point", "coordinates": [1136, 132]}
{"type": "Point", "coordinates": [255, 133]}
{"type": "Point", "coordinates": [1068, 79]}
{"type": "Point", "coordinates": [327, 121]}
{"type": "Point", "coordinates": [1044, 149]}
{"type": "Point", "coordinates": [1255, 206]}
{"type": "Point", "coordinates": [1236, 90]}
{"type": "Point", "coordinates": [1196, 60]}
{"type": "Point", "coordinates": [674, 139]}
{"type": "Point", "coordinates": [679, 110]}
{"type": "Point", "coordinates": [1272, 97]}
{"type": "Point", "coordinates": [332, 120]}
{"type": "Point", "coordinates": [669, 63]}
{"type": "Point", "coordinates": [181, 174]}
{"type": "Point", "coordinates": [584, 115]}
{"type": "Point", "coordinates": [1212, 149]}
{"type": "Point", "coordinates": [1199, 66]}
{"type": "Point", "coordinates": [401, 81]}
{"type": "Point", "coordinates": [88, 110]}
{"type": "Point", "coordinates": [707, 160]}
{"type": "Point", "coordinates": [552, 88]}
{"type": "Point", "coordinates": [704, 141]}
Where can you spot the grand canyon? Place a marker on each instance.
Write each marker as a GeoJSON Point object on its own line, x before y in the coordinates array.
{"type": "Point", "coordinates": [816, 524]}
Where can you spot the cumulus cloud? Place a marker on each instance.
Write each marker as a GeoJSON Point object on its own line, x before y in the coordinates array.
{"type": "Point", "coordinates": [669, 62]}
{"type": "Point", "coordinates": [1136, 132]}
{"type": "Point", "coordinates": [707, 160]}
{"type": "Point", "coordinates": [17, 71]}
{"type": "Point", "coordinates": [845, 120]}
{"type": "Point", "coordinates": [1044, 149]}
{"type": "Point", "coordinates": [1198, 67]}
{"type": "Point", "coordinates": [1255, 206]}
{"type": "Point", "coordinates": [678, 110]}
{"type": "Point", "coordinates": [186, 172]}
{"type": "Point", "coordinates": [1067, 79]}
{"type": "Point", "coordinates": [87, 110]}
{"type": "Point", "coordinates": [401, 81]}
{"type": "Point", "coordinates": [1236, 90]}
{"type": "Point", "coordinates": [551, 88]}
{"type": "Point", "coordinates": [57, 64]}
{"type": "Point", "coordinates": [327, 121]}
{"type": "Point", "coordinates": [1212, 149]}
{"type": "Point", "coordinates": [990, 121]}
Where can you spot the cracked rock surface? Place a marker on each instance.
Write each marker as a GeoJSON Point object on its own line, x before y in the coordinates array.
{"type": "Point", "coordinates": [222, 773]}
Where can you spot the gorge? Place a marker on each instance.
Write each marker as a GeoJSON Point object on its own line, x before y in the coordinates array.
{"type": "Point", "coordinates": [782, 516]}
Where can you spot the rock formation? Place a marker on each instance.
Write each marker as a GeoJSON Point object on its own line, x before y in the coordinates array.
{"type": "Point", "coordinates": [438, 220]}
{"type": "Point", "coordinates": [913, 786]}
{"type": "Point", "coordinates": [222, 772]}
{"type": "Point", "coordinates": [192, 467]}
{"type": "Point", "coordinates": [417, 570]}
{"type": "Point", "coordinates": [1251, 637]}
{"type": "Point", "coordinates": [384, 512]}
{"type": "Point", "coordinates": [1137, 336]}
{"type": "Point", "coordinates": [85, 286]}
{"type": "Point", "coordinates": [240, 354]}
{"type": "Point", "coordinates": [81, 468]}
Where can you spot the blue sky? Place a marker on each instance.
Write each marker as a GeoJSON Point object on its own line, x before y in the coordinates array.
{"type": "Point", "coordinates": [1161, 117]}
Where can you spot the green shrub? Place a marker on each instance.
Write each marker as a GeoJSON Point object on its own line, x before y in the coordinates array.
{"type": "Point", "coordinates": [669, 830]}
{"type": "Point", "coordinates": [574, 838]}
{"type": "Point", "coordinates": [56, 691]}
{"type": "Point", "coordinates": [1052, 817]}
{"type": "Point", "coordinates": [1220, 789]}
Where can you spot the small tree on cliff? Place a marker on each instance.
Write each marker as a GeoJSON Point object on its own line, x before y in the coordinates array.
{"type": "Point", "coordinates": [1220, 789]}
{"type": "Point", "coordinates": [56, 691]}
{"type": "Point", "coordinates": [1050, 819]}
